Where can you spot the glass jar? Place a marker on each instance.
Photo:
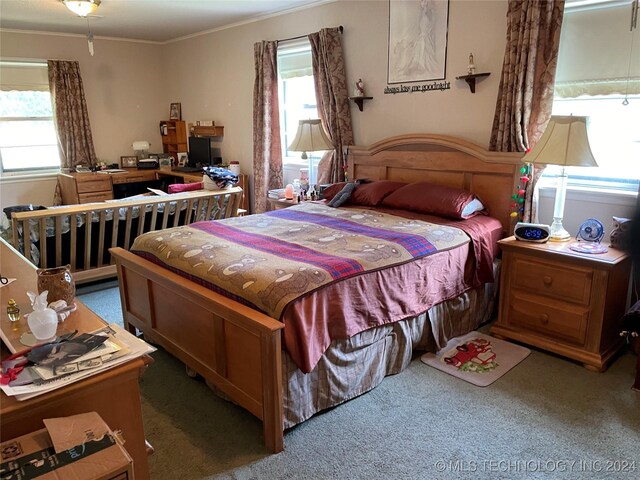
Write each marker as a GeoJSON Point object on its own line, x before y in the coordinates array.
{"type": "Point", "coordinates": [58, 282]}
{"type": "Point", "coordinates": [13, 311]}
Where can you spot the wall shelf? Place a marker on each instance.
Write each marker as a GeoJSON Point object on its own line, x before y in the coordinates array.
{"type": "Point", "coordinates": [360, 101]}
{"type": "Point", "coordinates": [208, 131]}
{"type": "Point", "coordinates": [471, 79]}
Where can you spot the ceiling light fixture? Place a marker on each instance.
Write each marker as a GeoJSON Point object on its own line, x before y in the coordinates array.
{"type": "Point", "coordinates": [82, 7]}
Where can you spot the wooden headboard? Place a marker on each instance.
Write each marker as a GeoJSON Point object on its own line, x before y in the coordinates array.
{"type": "Point", "coordinates": [446, 160]}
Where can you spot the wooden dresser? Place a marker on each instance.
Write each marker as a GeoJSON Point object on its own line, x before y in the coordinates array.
{"type": "Point", "coordinates": [562, 301]}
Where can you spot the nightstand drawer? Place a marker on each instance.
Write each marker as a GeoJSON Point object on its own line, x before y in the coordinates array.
{"type": "Point", "coordinates": [545, 316]}
{"type": "Point", "coordinates": [93, 183]}
{"type": "Point", "coordinates": [563, 282]}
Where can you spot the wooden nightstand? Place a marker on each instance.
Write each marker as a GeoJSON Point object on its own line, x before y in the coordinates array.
{"type": "Point", "coordinates": [278, 203]}
{"type": "Point", "coordinates": [562, 301]}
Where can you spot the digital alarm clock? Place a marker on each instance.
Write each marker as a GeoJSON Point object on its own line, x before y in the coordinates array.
{"type": "Point", "coordinates": [532, 232]}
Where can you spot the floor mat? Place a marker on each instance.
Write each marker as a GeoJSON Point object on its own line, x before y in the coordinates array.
{"type": "Point", "coordinates": [477, 358]}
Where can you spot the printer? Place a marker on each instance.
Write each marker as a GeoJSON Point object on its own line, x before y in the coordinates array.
{"type": "Point", "coordinates": [148, 163]}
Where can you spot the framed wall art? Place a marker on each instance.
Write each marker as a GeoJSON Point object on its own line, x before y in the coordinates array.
{"type": "Point", "coordinates": [175, 111]}
{"type": "Point", "coordinates": [418, 32]}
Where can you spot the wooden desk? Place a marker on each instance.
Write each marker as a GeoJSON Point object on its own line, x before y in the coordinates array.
{"type": "Point", "coordinates": [78, 188]}
{"type": "Point", "coordinates": [114, 394]}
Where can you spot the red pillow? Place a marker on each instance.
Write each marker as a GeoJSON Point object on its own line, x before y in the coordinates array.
{"type": "Point", "coordinates": [425, 197]}
{"type": "Point", "coordinates": [332, 190]}
{"type": "Point", "coordinates": [367, 194]}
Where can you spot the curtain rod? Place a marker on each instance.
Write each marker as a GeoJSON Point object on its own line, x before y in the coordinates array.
{"type": "Point", "coordinates": [340, 28]}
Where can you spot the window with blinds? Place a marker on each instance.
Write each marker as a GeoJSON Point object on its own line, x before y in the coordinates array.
{"type": "Point", "coordinates": [297, 97]}
{"type": "Point", "coordinates": [598, 76]}
{"type": "Point", "coordinates": [27, 132]}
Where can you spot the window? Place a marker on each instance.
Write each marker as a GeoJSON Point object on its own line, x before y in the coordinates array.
{"type": "Point", "coordinates": [614, 137]}
{"type": "Point", "coordinates": [595, 74]}
{"type": "Point", "coordinates": [27, 133]}
{"type": "Point", "coordinates": [297, 97]}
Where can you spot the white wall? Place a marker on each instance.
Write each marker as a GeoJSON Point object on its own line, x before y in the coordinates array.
{"type": "Point", "coordinates": [581, 205]}
{"type": "Point", "coordinates": [212, 75]}
{"type": "Point", "coordinates": [123, 85]}
{"type": "Point", "coordinates": [24, 191]}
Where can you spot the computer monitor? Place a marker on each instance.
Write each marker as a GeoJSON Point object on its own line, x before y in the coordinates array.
{"type": "Point", "coordinates": [199, 152]}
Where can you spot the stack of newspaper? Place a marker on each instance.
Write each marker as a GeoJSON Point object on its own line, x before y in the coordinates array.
{"type": "Point", "coordinates": [276, 193]}
{"type": "Point", "coordinates": [67, 360]}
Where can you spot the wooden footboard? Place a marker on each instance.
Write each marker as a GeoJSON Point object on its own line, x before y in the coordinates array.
{"type": "Point", "coordinates": [232, 346]}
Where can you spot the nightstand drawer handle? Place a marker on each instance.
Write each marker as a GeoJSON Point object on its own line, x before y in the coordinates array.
{"type": "Point", "coordinates": [547, 279]}
{"type": "Point", "coordinates": [544, 318]}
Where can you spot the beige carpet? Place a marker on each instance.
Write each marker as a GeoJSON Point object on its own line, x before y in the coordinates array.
{"type": "Point", "coordinates": [477, 358]}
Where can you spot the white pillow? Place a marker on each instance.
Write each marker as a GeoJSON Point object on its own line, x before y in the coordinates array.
{"type": "Point", "coordinates": [472, 207]}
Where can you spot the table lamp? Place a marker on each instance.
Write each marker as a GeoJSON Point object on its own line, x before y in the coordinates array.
{"type": "Point", "coordinates": [310, 137]}
{"type": "Point", "coordinates": [563, 143]}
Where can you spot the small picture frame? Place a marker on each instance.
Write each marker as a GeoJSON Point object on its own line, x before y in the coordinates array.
{"type": "Point", "coordinates": [183, 158]}
{"type": "Point", "coordinates": [165, 161]}
{"type": "Point", "coordinates": [175, 112]}
{"type": "Point", "coordinates": [130, 161]}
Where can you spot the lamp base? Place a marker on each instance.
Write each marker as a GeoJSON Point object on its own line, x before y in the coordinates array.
{"type": "Point", "coordinates": [557, 232]}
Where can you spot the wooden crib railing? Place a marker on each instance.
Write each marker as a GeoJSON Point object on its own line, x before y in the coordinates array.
{"type": "Point", "coordinates": [79, 250]}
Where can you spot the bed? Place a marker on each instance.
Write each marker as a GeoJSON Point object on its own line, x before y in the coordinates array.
{"type": "Point", "coordinates": [238, 348]}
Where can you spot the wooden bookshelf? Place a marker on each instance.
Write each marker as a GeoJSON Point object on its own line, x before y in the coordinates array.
{"type": "Point", "coordinates": [174, 140]}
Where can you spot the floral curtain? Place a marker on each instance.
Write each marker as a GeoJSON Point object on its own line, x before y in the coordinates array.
{"type": "Point", "coordinates": [525, 96]}
{"type": "Point", "coordinates": [267, 152]}
{"type": "Point", "coordinates": [333, 101]}
{"type": "Point", "coordinates": [75, 142]}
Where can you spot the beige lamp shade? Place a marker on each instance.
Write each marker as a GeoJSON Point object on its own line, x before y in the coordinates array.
{"type": "Point", "coordinates": [310, 137]}
{"type": "Point", "coordinates": [564, 142]}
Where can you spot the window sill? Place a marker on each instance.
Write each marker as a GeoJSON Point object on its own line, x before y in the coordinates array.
{"type": "Point", "coordinates": [18, 177]}
{"type": "Point", "coordinates": [594, 195]}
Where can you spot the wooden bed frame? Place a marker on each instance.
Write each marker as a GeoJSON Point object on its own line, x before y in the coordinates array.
{"type": "Point", "coordinates": [238, 349]}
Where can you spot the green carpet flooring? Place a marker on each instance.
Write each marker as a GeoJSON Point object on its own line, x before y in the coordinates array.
{"type": "Point", "coordinates": [547, 418]}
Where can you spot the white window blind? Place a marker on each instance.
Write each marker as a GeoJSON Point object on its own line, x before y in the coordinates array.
{"type": "Point", "coordinates": [297, 99]}
{"type": "Point", "coordinates": [598, 68]}
{"type": "Point", "coordinates": [27, 132]}
{"type": "Point", "coordinates": [599, 54]}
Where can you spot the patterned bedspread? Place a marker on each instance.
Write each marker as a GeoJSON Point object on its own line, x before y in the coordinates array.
{"type": "Point", "coordinates": [268, 261]}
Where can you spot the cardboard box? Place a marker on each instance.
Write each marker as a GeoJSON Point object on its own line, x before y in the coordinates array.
{"type": "Point", "coordinates": [80, 447]}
